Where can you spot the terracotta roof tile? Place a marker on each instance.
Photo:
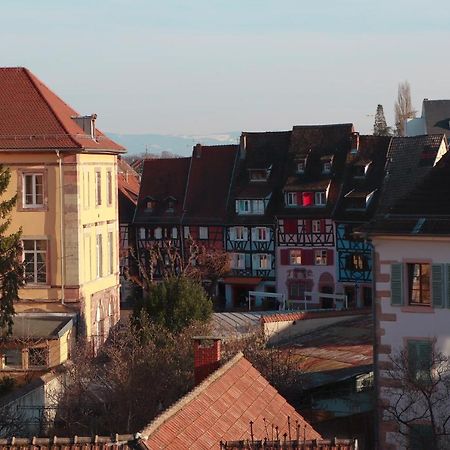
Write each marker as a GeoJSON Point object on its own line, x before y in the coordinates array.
{"type": "Point", "coordinates": [34, 117]}
{"type": "Point", "coordinates": [228, 400]}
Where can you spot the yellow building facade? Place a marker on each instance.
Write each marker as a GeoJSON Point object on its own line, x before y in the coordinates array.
{"type": "Point", "coordinates": [64, 172]}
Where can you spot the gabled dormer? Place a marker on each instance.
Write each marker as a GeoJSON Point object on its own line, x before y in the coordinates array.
{"type": "Point", "coordinates": [170, 203]}
{"type": "Point", "coordinates": [361, 168]}
{"type": "Point", "coordinates": [358, 200]}
{"type": "Point", "coordinates": [326, 164]}
{"type": "Point", "coordinates": [253, 206]}
{"type": "Point", "coordinates": [150, 203]}
{"type": "Point", "coordinates": [300, 165]}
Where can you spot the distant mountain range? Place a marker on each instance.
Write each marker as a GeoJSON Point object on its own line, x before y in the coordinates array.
{"type": "Point", "coordinates": [157, 144]}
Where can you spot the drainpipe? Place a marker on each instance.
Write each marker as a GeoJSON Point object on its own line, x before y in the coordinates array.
{"type": "Point", "coordinates": [61, 223]}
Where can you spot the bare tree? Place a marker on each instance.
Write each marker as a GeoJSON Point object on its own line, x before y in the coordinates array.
{"type": "Point", "coordinates": [419, 399]}
{"type": "Point", "coordinates": [403, 107]}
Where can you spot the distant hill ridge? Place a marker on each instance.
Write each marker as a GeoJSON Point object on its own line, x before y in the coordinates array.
{"type": "Point", "coordinates": [168, 146]}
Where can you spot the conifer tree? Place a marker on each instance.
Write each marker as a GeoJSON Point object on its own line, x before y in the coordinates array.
{"type": "Point", "coordinates": [11, 267]}
{"type": "Point", "coordinates": [380, 127]}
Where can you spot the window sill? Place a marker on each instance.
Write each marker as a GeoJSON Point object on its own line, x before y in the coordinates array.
{"type": "Point", "coordinates": [417, 309]}
{"type": "Point", "coordinates": [36, 286]}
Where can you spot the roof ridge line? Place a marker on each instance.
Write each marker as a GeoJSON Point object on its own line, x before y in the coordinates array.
{"type": "Point", "coordinates": [153, 426]}
{"type": "Point", "coordinates": [33, 80]}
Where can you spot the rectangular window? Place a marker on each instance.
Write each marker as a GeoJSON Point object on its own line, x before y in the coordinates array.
{"type": "Point", "coordinates": [316, 226]}
{"type": "Point", "coordinates": [320, 257]}
{"type": "Point", "coordinates": [238, 261]}
{"type": "Point", "coordinates": [174, 233]}
{"type": "Point", "coordinates": [35, 259]}
{"type": "Point", "coordinates": [13, 358]}
{"type": "Point", "coordinates": [326, 167]}
{"type": "Point", "coordinates": [111, 252]}
{"type": "Point", "coordinates": [109, 182]}
{"type": "Point", "coordinates": [261, 261]}
{"type": "Point", "coordinates": [243, 206]}
{"type": "Point", "coordinates": [187, 232]}
{"type": "Point", "coordinates": [295, 257]}
{"type": "Point", "coordinates": [291, 198]}
{"type": "Point", "coordinates": [320, 198]}
{"type": "Point", "coordinates": [301, 166]}
{"type": "Point", "coordinates": [420, 360]}
{"type": "Point", "coordinates": [240, 233]}
{"type": "Point", "coordinates": [357, 261]}
{"type": "Point", "coordinates": [203, 232]}
{"type": "Point", "coordinates": [250, 207]}
{"type": "Point", "coordinates": [158, 233]}
{"type": "Point", "coordinates": [98, 188]}
{"type": "Point", "coordinates": [87, 257]}
{"type": "Point", "coordinates": [297, 291]}
{"type": "Point", "coordinates": [88, 190]}
{"type": "Point", "coordinates": [257, 207]}
{"type": "Point", "coordinates": [419, 284]}
{"type": "Point", "coordinates": [33, 190]}
{"type": "Point", "coordinates": [261, 234]}
{"type": "Point", "coordinates": [99, 254]}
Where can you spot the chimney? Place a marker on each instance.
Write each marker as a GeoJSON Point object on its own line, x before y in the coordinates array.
{"type": "Point", "coordinates": [243, 145]}
{"type": "Point", "coordinates": [197, 153]}
{"type": "Point", "coordinates": [354, 143]}
{"type": "Point", "coordinates": [206, 357]}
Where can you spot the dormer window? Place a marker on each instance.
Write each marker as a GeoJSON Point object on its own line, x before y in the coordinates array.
{"type": "Point", "coordinates": [170, 204]}
{"type": "Point", "coordinates": [360, 170]}
{"type": "Point", "coordinates": [359, 200]}
{"type": "Point", "coordinates": [301, 166]}
{"type": "Point", "coordinates": [250, 207]}
{"type": "Point", "coordinates": [259, 174]}
{"type": "Point", "coordinates": [320, 198]}
{"type": "Point", "coordinates": [326, 166]}
{"type": "Point", "coordinates": [291, 198]}
{"type": "Point", "coordinates": [150, 204]}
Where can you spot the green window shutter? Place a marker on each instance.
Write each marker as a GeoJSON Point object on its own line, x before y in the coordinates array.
{"type": "Point", "coordinates": [420, 360]}
{"type": "Point", "coordinates": [437, 285]}
{"type": "Point", "coordinates": [397, 284]}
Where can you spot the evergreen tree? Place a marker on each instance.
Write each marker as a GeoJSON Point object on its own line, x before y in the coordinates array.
{"type": "Point", "coordinates": [11, 267]}
{"type": "Point", "coordinates": [380, 127]}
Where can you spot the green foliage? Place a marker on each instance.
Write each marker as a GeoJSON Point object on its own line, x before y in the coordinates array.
{"type": "Point", "coordinates": [11, 268]}
{"type": "Point", "coordinates": [176, 303]}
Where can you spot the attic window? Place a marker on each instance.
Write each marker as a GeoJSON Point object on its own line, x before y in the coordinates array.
{"type": "Point", "coordinates": [150, 204]}
{"type": "Point", "coordinates": [360, 170]}
{"type": "Point", "coordinates": [170, 204]}
{"type": "Point", "coordinates": [326, 166]}
{"type": "Point", "coordinates": [301, 165]}
{"type": "Point", "coordinates": [259, 174]}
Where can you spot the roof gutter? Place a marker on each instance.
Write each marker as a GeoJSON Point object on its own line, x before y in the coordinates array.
{"type": "Point", "coordinates": [61, 224]}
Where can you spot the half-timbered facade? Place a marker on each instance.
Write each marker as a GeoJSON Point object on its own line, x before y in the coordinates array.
{"type": "Point", "coordinates": [250, 234]}
{"type": "Point", "coordinates": [306, 230]}
{"type": "Point", "coordinates": [363, 179]}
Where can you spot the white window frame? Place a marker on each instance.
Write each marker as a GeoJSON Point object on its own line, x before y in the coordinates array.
{"type": "Point", "coordinates": [34, 202]}
{"type": "Point", "coordinates": [320, 257]}
{"type": "Point", "coordinates": [301, 165]}
{"type": "Point", "coordinates": [261, 234]}
{"type": "Point", "coordinates": [240, 233]}
{"type": "Point", "coordinates": [35, 252]}
{"type": "Point", "coordinates": [186, 232]}
{"type": "Point", "coordinates": [291, 198]}
{"type": "Point", "coordinates": [320, 198]}
{"type": "Point", "coordinates": [174, 233]}
{"type": "Point", "coordinates": [327, 166]}
{"type": "Point", "coordinates": [158, 233]}
{"type": "Point", "coordinates": [203, 233]}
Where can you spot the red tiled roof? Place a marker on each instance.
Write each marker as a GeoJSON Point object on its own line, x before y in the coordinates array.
{"type": "Point", "coordinates": [221, 409]}
{"type": "Point", "coordinates": [34, 117]}
{"type": "Point", "coordinates": [128, 181]}
{"type": "Point", "coordinates": [209, 182]}
{"type": "Point", "coordinates": [161, 179]}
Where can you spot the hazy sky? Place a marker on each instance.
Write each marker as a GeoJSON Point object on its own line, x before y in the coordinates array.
{"type": "Point", "coordinates": [205, 66]}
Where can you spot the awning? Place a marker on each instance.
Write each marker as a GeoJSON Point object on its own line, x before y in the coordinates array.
{"type": "Point", "coordinates": [250, 281]}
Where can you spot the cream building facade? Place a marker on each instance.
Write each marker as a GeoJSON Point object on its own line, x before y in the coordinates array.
{"type": "Point", "coordinates": [64, 172]}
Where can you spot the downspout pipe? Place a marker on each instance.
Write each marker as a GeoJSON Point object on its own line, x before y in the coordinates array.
{"type": "Point", "coordinates": [61, 224]}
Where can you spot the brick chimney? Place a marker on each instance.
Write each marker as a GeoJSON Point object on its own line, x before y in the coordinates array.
{"type": "Point", "coordinates": [206, 357]}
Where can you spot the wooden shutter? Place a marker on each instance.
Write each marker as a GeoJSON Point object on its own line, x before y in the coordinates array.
{"type": "Point", "coordinates": [298, 197]}
{"type": "Point", "coordinates": [284, 257]}
{"type": "Point", "coordinates": [322, 226]}
{"type": "Point", "coordinates": [397, 284]}
{"type": "Point", "coordinates": [437, 285]}
{"type": "Point", "coordinates": [247, 261]}
{"type": "Point", "coordinates": [330, 257]}
{"type": "Point", "coordinates": [290, 226]}
{"type": "Point", "coordinates": [308, 198]}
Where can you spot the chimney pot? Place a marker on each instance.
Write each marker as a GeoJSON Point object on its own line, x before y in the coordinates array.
{"type": "Point", "coordinates": [206, 356]}
{"type": "Point", "coordinates": [198, 150]}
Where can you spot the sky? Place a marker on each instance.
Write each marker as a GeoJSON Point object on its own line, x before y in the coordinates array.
{"type": "Point", "coordinates": [210, 66]}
